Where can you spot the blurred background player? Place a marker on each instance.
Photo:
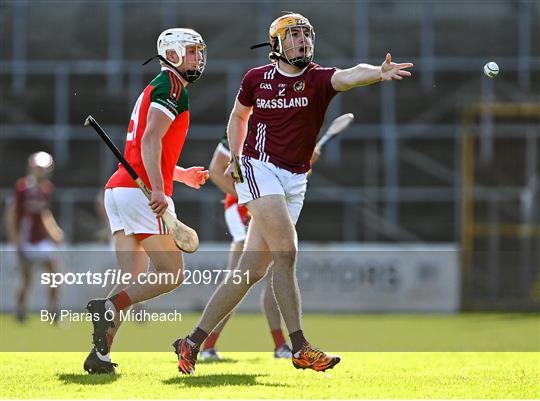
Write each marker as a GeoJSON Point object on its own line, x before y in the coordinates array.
{"type": "Point", "coordinates": [156, 134]}
{"type": "Point", "coordinates": [32, 228]}
{"type": "Point", "coordinates": [285, 101]}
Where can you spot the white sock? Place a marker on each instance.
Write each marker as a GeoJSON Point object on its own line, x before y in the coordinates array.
{"type": "Point", "coordinates": [110, 306]}
{"type": "Point", "coordinates": [106, 358]}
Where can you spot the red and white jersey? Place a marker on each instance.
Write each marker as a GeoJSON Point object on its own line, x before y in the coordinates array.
{"type": "Point", "coordinates": [31, 200]}
{"type": "Point", "coordinates": [167, 94]}
{"type": "Point", "coordinates": [288, 112]}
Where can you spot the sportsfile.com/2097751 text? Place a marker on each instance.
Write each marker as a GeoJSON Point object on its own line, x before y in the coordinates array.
{"type": "Point", "coordinates": [116, 276]}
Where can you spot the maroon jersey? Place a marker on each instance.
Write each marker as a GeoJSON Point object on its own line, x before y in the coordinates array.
{"type": "Point", "coordinates": [31, 200]}
{"type": "Point", "coordinates": [288, 111]}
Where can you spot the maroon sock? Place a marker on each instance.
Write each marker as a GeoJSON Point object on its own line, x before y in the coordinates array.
{"type": "Point", "coordinates": [120, 301]}
{"type": "Point", "coordinates": [211, 340]}
{"type": "Point", "coordinates": [279, 340]}
{"type": "Point", "coordinates": [298, 340]}
{"type": "Point", "coordinates": [198, 336]}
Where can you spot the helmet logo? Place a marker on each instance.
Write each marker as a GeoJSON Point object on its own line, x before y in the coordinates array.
{"type": "Point", "coordinates": [299, 86]}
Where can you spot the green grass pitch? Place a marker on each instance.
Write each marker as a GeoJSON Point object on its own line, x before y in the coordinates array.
{"type": "Point", "coordinates": [256, 374]}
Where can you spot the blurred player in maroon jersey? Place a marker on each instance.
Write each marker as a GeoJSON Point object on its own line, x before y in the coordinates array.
{"type": "Point", "coordinates": [155, 137]}
{"type": "Point", "coordinates": [285, 102]}
{"type": "Point", "coordinates": [32, 228]}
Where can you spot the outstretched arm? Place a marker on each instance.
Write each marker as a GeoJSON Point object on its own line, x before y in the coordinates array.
{"type": "Point", "coordinates": [367, 74]}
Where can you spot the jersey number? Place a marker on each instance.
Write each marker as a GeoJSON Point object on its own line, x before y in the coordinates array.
{"type": "Point", "coordinates": [132, 128]}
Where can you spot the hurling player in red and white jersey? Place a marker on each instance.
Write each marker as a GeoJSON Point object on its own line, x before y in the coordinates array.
{"type": "Point", "coordinates": [285, 102]}
{"type": "Point", "coordinates": [32, 228]}
{"type": "Point", "coordinates": [155, 137]}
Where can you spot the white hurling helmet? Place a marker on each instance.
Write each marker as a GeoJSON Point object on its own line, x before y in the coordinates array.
{"type": "Point", "coordinates": [178, 39]}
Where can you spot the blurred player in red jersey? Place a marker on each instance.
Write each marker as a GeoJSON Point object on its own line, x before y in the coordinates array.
{"type": "Point", "coordinates": [155, 137]}
{"type": "Point", "coordinates": [237, 218]}
{"type": "Point", "coordinates": [32, 228]}
{"type": "Point", "coordinates": [285, 102]}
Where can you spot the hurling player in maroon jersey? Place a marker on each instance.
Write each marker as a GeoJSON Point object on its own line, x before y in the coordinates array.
{"type": "Point", "coordinates": [32, 228]}
{"type": "Point", "coordinates": [285, 102]}
{"type": "Point", "coordinates": [237, 219]}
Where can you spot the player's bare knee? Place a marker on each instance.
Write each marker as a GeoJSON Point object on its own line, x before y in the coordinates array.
{"type": "Point", "coordinates": [168, 287]}
{"type": "Point", "coordinates": [169, 277]}
{"type": "Point", "coordinates": [285, 258]}
{"type": "Point", "coordinates": [179, 278]}
{"type": "Point", "coordinates": [256, 274]}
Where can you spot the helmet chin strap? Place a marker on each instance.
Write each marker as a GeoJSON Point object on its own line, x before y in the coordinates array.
{"type": "Point", "coordinates": [303, 64]}
{"type": "Point", "coordinates": [168, 63]}
{"type": "Point", "coordinates": [278, 56]}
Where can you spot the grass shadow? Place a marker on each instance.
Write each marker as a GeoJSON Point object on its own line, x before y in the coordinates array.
{"type": "Point", "coordinates": [217, 380]}
{"type": "Point", "coordinates": [222, 360]}
{"type": "Point", "coordinates": [254, 359]}
{"type": "Point", "coordinates": [86, 379]}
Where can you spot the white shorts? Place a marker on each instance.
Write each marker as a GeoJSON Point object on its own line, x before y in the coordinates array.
{"type": "Point", "coordinates": [128, 210]}
{"type": "Point", "coordinates": [264, 178]}
{"type": "Point", "coordinates": [41, 251]}
{"type": "Point", "coordinates": [235, 224]}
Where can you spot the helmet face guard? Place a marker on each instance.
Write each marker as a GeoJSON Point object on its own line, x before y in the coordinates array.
{"type": "Point", "coordinates": [307, 48]}
{"type": "Point", "coordinates": [288, 26]}
{"type": "Point", "coordinates": [200, 64]}
{"type": "Point", "coordinates": [179, 40]}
